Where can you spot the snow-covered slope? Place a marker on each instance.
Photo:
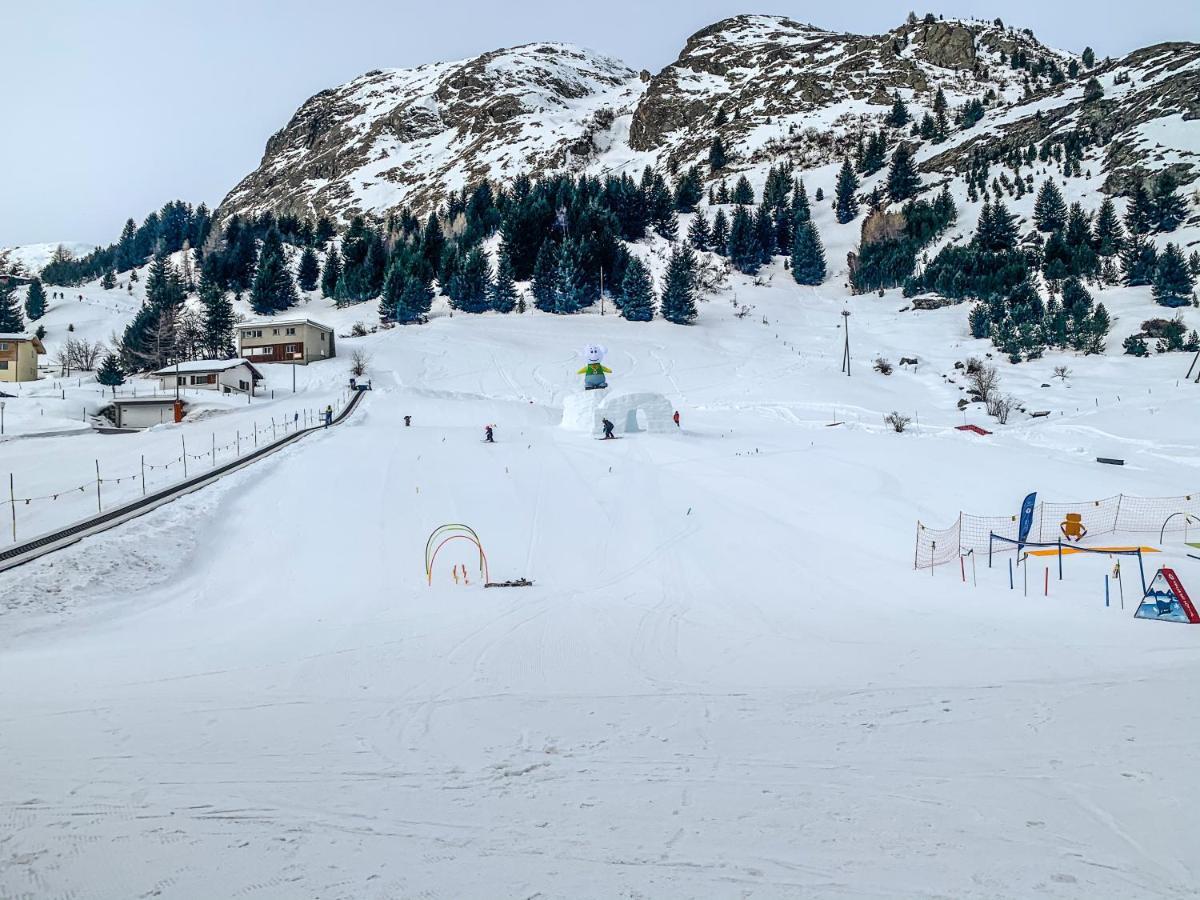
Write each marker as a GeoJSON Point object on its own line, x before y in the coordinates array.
{"type": "Point", "coordinates": [30, 259]}
{"type": "Point", "coordinates": [726, 679]}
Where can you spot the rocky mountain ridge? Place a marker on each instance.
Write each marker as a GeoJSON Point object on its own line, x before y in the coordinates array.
{"type": "Point", "coordinates": [772, 88]}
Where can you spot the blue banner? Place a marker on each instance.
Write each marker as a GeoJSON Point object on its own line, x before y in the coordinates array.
{"type": "Point", "coordinates": [1026, 519]}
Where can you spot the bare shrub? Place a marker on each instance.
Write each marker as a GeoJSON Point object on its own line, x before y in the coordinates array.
{"type": "Point", "coordinates": [359, 360]}
{"type": "Point", "coordinates": [1001, 407]}
{"type": "Point", "coordinates": [358, 329]}
{"type": "Point", "coordinates": [79, 354]}
{"type": "Point", "coordinates": [882, 366]}
{"type": "Point", "coordinates": [898, 421]}
{"type": "Point", "coordinates": [984, 380]}
{"type": "Point", "coordinates": [1062, 372]}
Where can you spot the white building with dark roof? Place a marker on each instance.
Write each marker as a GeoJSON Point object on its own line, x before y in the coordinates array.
{"type": "Point", "coordinates": [229, 376]}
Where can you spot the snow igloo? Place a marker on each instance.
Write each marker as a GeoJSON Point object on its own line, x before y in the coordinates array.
{"type": "Point", "coordinates": [629, 413]}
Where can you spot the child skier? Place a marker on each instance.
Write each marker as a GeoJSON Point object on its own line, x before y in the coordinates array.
{"type": "Point", "coordinates": [608, 430]}
{"type": "Point", "coordinates": [488, 437]}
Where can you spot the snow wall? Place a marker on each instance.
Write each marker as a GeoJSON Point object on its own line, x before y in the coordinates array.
{"type": "Point", "coordinates": [628, 412]}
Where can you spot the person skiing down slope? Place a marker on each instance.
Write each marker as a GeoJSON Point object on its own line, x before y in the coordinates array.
{"type": "Point", "coordinates": [608, 430]}
{"type": "Point", "coordinates": [488, 437]}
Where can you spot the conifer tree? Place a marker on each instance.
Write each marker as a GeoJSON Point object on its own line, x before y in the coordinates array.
{"type": "Point", "coordinates": [273, 289]}
{"type": "Point", "coordinates": [10, 313]}
{"type": "Point", "coordinates": [1169, 207]}
{"type": "Point", "coordinates": [719, 236]}
{"type": "Point", "coordinates": [393, 286]}
{"type": "Point", "coordinates": [1140, 214]}
{"type": "Point", "coordinates": [764, 227]}
{"type": "Point", "coordinates": [698, 231]}
{"type": "Point", "coordinates": [744, 249]}
{"type": "Point", "coordinates": [1049, 209]}
{"type": "Point", "coordinates": [544, 284]}
{"type": "Point", "coordinates": [503, 289]}
{"type": "Point", "coordinates": [164, 286]}
{"type": "Point", "coordinates": [217, 319]}
{"type": "Point", "coordinates": [417, 297]}
{"type": "Point", "coordinates": [716, 155]}
{"type": "Point", "coordinates": [572, 280]}
{"type": "Point", "coordinates": [941, 125]}
{"type": "Point", "coordinates": [1108, 232]}
{"type": "Point", "coordinates": [108, 280]}
{"type": "Point", "coordinates": [1092, 90]}
{"type": "Point", "coordinates": [637, 301]}
{"type": "Point", "coordinates": [875, 153]}
{"type": "Point", "coordinates": [109, 374]}
{"type": "Point", "coordinates": [332, 274]}
{"type": "Point", "coordinates": [997, 230]}
{"type": "Point", "coordinates": [902, 179]}
{"type": "Point", "coordinates": [1194, 263]}
{"type": "Point", "coordinates": [743, 194]}
{"type": "Point", "coordinates": [127, 257]}
{"type": "Point", "coordinates": [723, 192]}
{"type": "Point", "coordinates": [847, 204]}
{"type": "Point", "coordinates": [35, 300]}
{"type": "Point", "coordinates": [688, 190]}
{"type": "Point", "coordinates": [808, 255]}
{"type": "Point", "coordinates": [324, 231]}
{"type": "Point", "coordinates": [309, 270]}
{"type": "Point", "coordinates": [679, 291]}
{"type": "Point", "coordinates": [469, 290]}
{"type": "Point", "coordinates": [898, 116]}
{"type": "Point", "coordinates": [1139, 259]}
{"type": "Point", "coordinates": [1089, 57]}
{"type": "Point", "coordinates": [1172, 281]}
{"type": "Point", "coordinates": [801, 211]}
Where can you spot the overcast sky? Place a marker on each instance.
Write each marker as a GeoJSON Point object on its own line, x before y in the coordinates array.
{"type": "Point", "coordinates": [108, 109]}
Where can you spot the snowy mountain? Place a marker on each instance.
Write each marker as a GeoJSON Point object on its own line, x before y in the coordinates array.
{"type": "Point", "coordinates": [32, 258]}
{"type": "Point", "coordinates": [405, 136]}
{"type": "Point", "coordinates": [772, 88]}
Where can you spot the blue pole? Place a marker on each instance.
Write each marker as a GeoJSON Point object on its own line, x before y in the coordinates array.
{"type": "Point", "coordinates": [1106, 590]}
{"type": "Point", "coordinates": [1010, 578]}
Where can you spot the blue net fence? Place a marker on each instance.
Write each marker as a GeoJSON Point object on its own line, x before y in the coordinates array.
{"type": "Point", "coordinates": [1120, 514]}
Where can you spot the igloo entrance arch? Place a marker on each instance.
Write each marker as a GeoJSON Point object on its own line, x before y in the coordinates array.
{"type": "Point", "coordinates": [585, 412]}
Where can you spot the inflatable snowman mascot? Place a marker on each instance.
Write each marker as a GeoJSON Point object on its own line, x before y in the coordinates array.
{"type": "Point", "coordinates": [594, 371]}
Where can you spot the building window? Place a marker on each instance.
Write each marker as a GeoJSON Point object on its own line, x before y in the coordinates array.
{"type": "Point", "coordinates": [322, 336]}
{"type": "Point", "coordinates": [291, 348]}
{"type": "Point", "coordinates": [243, 386]}
{"type": "Point", "coordinates": [3, 365]}
{"type": "Point", "coordinates": [181, 380]}
{"type": "Point", "coordinates": [275, 331]}
{"type": "Point", "coordinates": [3, 345]}
{"type": "Point", "coordinates": [290, 332]}
{"type": "Point", "coordinates": [252, 333]}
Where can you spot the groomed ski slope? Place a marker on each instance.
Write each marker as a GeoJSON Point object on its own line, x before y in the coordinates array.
{"type": "Point", "coordinates": [728, 681]}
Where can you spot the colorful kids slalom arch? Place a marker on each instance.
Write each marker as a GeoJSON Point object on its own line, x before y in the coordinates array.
{"type": "Point", "coordinates": [443, 535]}
{"type": "Point", "coordinates": [1167, 601]}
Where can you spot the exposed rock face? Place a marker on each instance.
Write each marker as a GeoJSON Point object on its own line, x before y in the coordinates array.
{"type": "Point", "coordinates": [1148, 94]}
{"type": "Point", "coordinates": [406, 136]}
{"type": "Point", "coordinates": [772, 88]}
{"type": "Point", "coordinates": [775, 73]}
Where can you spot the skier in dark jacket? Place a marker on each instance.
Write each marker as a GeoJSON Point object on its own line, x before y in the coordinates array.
{"type": "Point", "coordinates": [488, 437]}
{"type": "Point", "coordinates": [608, 430]}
